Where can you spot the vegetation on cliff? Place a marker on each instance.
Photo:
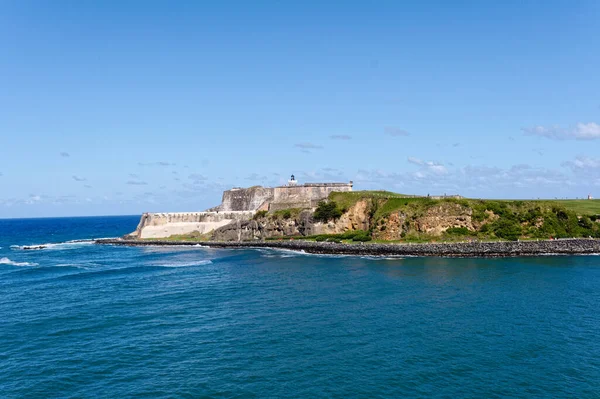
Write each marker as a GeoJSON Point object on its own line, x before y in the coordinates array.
{"type": "Point", "coordinates": [388, 217]}
{"type": "Point", "coordinates": [425, 219]}
{"type": "Point", "coordinates": [327, 211]}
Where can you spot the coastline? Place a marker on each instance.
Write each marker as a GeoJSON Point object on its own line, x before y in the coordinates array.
{"type": "Point", "coordinates": [576, 246]}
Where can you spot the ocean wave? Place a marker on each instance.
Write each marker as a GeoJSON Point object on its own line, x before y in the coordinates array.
{"type": "Point", "coordinates": [71, 244]}
{"type": "Point", "coordinates": [279, 253]}
{"type": "Point", "coordinates": [384, 257]}
{"type": "Point", "coordinates": [184, 264]}
{"type": "Point", "coordinates": [6, 261]}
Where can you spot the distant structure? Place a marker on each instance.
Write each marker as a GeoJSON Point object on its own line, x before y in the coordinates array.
{"type": "Point", "coordinates": [292, 181]}
{"type": "Point", "coordinates": [292, 195]}
{"type": "Point", "coordinates": [590, 197]}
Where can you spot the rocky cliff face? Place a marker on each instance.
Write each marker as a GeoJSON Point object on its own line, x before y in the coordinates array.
{"type": "Point", "coordinates": [434, 221]}
{"type": "Point", "coordinates": [302, 224]}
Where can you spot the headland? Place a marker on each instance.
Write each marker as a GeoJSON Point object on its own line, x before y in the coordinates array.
{"type": "Point", "coordinates": [332, 218]}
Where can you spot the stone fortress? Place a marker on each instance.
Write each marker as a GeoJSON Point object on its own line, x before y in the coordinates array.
{"type": "Point", "coordinates": [293, 195]}
{"type": "Point", "coordinates": [238, 204]}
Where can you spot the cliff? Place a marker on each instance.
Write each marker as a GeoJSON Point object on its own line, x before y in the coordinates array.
{"type": "Point", "coordinates": [379, 216]}
{"type": "Point", "coordinates": [392, 217]}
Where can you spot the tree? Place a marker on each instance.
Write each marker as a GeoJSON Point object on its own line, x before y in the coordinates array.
{"type": "Point", "coordinates": [326, 211]}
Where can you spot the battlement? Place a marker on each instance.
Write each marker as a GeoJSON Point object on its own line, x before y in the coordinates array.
{"type": "Point", "coordinates": [293, 195]}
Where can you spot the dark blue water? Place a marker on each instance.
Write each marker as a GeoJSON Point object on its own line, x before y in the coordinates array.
{"type": "Point", "coordinates": [79, 320]}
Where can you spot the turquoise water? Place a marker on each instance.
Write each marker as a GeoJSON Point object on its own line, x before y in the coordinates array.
{"type": "Point", "coordinates": [79, 320]}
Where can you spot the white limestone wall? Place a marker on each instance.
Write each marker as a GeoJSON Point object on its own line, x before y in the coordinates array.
{"type": "Point", "coordinates": [163, 225]}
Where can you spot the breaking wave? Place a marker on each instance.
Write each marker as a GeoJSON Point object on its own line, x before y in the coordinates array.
{"type": "Point", "coordinates": [184, 264]}
{"type": "Point", "coordinates": [6, 261]}
{"type": "Point", "coordinates": [72, 244]}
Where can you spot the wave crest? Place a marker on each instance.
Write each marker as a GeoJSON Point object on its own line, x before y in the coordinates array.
{"type": "Point", "coordinates": [185, 264]}
{"type": "Point", "coordinates": [6, 261]}
{"type": "Point", "coordinates": [71, 244]}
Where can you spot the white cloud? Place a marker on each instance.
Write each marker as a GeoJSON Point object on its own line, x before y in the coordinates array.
{"type": "Point", "coordinates": [307, 146]}
{"type": "Point", "coordinates": [159, 163]}
{"type": "Point", "coordinates": [395, 131]}
{"type": "Point", "coordinates": [78, 178]}
{"type": "Point", "coordinates": [583, 165]}
{"type": "Point", "coordinates": [196, 177]}
{"type": "Point", "coordinates": [581, 131]}
{"type": "Point", "coordinates": [428, 167]}
{"type": "Point", "coordinates": [340, 137]}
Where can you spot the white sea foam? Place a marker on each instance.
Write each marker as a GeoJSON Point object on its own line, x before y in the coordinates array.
{"type": "Point", "coordinates": [184, 264]}
{"type": "Point", "coordinates": [279, 253]}
{"type": "Point", "coordinates": [383, 257]}
{"type": "Point", "coordinates": [72, 244]}
{"type": "Point", "coordinates": [6, 261]}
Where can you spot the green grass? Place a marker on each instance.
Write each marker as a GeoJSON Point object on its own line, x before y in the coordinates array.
{"type": "Point", "coordinates": [289, 213]}
{"type": "Point", "coordinates": [581, 207]}
{"type": "Point", "coordinates": [347, 199]}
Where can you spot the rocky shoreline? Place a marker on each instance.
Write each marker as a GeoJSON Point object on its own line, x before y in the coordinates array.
{"type": "Point", "coordinates": [578, 246]}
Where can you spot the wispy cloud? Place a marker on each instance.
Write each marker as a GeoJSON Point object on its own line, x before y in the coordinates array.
{"type": "Point", "coordinates": [340, 137]}
{"type": "Point", "coordinates": [583, 164]}
{"type": "Point", "coordinates": [196, 177]}
{"type": "Point", "coordinates": [159, 163]}
{"type": "Point", "coordinates": [65, 154]}
{"type": "Point", "coordinates": [395, 131]}
{"type": "Point", "coordinates": [427, 167]}
{"type": "Point", "coordinates": [308, 146]}
{"type": "Point", "coordinates": [519, 179]}
{"type": "Point", "coordinates": [87, 186]}
{"type": "Point", "coordinates": [78, 178]}
{"type": "Point", "coordinates": [581, 131]}
{"type": "Point", "coordinates": [136, 183]}
{"type": "Point", "coordinates": [255, 177]}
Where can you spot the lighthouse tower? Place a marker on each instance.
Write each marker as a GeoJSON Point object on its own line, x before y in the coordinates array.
{"type": "Point", "coordinates": [292, 181]}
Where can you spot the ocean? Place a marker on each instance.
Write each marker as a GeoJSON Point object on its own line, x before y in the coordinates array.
{"type": "Point", "coordinates": [78, 320]}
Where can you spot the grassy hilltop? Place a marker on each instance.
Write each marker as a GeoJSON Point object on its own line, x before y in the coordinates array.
{"type": "Point", "coordinates": [415, 217]}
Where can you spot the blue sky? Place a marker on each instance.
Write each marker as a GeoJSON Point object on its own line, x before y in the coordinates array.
{"type": "Point", "coordinates": [125, 107]}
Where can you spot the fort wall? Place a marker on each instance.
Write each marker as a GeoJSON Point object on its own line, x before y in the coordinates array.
{"type": "Point", "coordinates": [305, 196]}
{"type": "Point", "coordinates": [237, 205]}
{"type": "Point", "coordinates": [245, 199]}
{"type": "Point", "coordinates": [163, 225]}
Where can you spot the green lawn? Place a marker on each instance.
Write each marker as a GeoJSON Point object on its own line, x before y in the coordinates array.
{"type": "Point", "coordinates": [582, 207]}
{"type": "Point", "coordinates": [395, 200]}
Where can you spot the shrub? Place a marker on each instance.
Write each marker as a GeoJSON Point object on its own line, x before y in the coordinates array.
{"type": "Point", "coordinates": [350, 234]}
{"type": "Point", "coordinates": [287, 214]}
{"type": "Point", "coordinates": [458, 231]}
{"type": "Point", "coordinates": [362, 237]}
{"type": "Point", "coordinates": [259, 214]}
{"type": "Point", "coordinates": [531, 215]}
{"type": "Point", "coordinates": [507, 229]}
{"type": "Point", "coordinates": [586, 223]}
{"type": "Point", "coordinates": [327, 211]}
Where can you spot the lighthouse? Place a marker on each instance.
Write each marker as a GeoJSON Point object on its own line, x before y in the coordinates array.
{"type": "Point", "coordinates": [292, 181]}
